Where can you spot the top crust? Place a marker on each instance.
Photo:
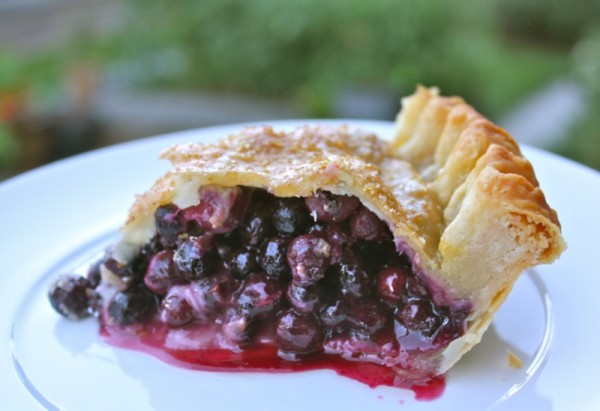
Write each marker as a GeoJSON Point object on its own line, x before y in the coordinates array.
{"type": "Point", "coordinates": [452, 186]}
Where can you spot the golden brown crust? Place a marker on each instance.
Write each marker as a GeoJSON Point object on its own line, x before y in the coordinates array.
{"type": "Point", "coordinates": [337, 159]}
{"type": "Point", "coordinates": [496, 220]}
{"type": "Point", "coordinates": [453, 187]}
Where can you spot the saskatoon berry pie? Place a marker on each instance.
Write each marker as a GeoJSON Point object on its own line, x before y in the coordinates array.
{"type": "Point", "coordinates": [325, 245]}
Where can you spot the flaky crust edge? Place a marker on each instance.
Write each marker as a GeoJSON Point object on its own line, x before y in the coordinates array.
{"type": "Point", "coordinates": [490, 197]}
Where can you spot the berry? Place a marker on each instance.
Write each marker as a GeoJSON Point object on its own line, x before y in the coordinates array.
{"type": "Point", "coordinates": [219, 210]}
{"type": "Point", "coordinates": [161, 273]}
{"type": "Point", "coordinates": [73, 297]}
{"type": "Point", "coordinates": [365, 225]}
{"type": "Point", "coordinates": [290, 216]}
{"type": "Point", "coordinates": [236, 328]}
{"type": "Point", "coordinates": [131, 306]}
{"type": "Point", "coordinates": [169, 224]}
{"type": "Point", "coordinates": [242, 262]}
{"type": "Point", "coordinates": [352, 277]}
{"type": "Point", "coordinates": [304, 299]}
{"type": "Point", "coordinates": [419, 315]}
{"type": "Point", "coordinates": [260, 295]}
{"type": "Point", "coordinates": [336, 235]}
{"type": "Point", "coordinates": [334, 314]}
{"type": "Point", "coordinates": [308, 257]}
{"type": "Point", "coordinates": [367, 316]}
{"type": "Point", "coordinates": [298, 333]}
{"type": "Point", "coordinates": [331, 208]}
{"type": "Point", "coordinates": [272, 256]}
{"type": "Point", "coordinates": [195, 258]}
{"type": "Point", "coordinates": [257, 226]}
{"type": "Point", "coordinates": [391, 282]}
{"type": "Point", "coordinates": [176, 310]}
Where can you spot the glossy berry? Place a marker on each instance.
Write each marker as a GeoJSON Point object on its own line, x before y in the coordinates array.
{"type": "Point", "coordinates": [176, 310]}
{"type": "Point", "coordinates": [353, 280]}
{"type": "Point", "coordinates": [162, 273]}
{"type": "Point", "coordinates": [304, 299]}
{"type": "Point", "coordinates": [331, 208]}
{"type": "Point", "coordinates": [290, 216]}
{"type": "Point", "coordinates": [242, 262]}
{"type": "Point", "coordinates": [337, 235]}
{"type": "Point", "coordinates": [237, 327]}
{"type": "Point", "coordinates": [365, 225]}
{"type": "Point", "coordinates": [272, 256]}
{"type": "Point", "coordinates": [391, 283]}
{"type": "Point", "coordinates": [220, 209]}
{"type": "Point", "coordinates": [195, 258]}
{"type": "Point", "coordinates": [257, 226]}
{"type": "Point", "coordinates": [367, 316]}
{"type": "Point", "coordinates": [260, 295]}
{"type": "Point", "coordinates": [418, 315]}
{"type": "Point", "coordinates": [308, 256]}
{"type": "Point", "coordinates": [214, 293]}
{"type": "Point", "coordinates": [73, 297]}
{"type": "Point", "coordinates": [334, 314]}
{"type": "Point", "coordinates": [169, 224]}
{"type": "Point", "coordinates": [131, 306]}
{"type": "Point", "coordinates": [298, 333]}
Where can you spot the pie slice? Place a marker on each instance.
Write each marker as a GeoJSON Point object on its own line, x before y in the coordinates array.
{"type": "Point", "coordinates": [325, 246]}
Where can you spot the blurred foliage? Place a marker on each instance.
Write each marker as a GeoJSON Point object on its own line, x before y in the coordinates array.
{"type": "Point", "coordinates": [492, 52]}
{"type": "Point", "coordinates": [310, 49]}
{"type": "Point", "coordinates": [582, 141]}
{"type": "Point", "coordinates": [558, 23]}
{"type": "Point", "coordinates": [9, 147]}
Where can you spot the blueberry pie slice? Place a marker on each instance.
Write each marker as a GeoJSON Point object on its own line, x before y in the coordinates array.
{"type": "Point", "coordinates": [325, 247]}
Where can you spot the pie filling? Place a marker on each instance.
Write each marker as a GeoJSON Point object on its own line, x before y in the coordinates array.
{"type": "Point", "coordinates": [246, 280]}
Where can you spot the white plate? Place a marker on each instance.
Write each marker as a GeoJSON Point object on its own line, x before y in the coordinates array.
{"type": "Point", "coordinates": [55, 217]}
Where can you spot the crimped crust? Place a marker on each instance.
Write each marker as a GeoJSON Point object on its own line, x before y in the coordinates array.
{"type": "Point", "coordinates": [496, 220]}
{"type": "Point", "coordinates": [452, 186]}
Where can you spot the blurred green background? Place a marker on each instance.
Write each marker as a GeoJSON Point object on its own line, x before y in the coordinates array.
{"type": "Point", "coordinates": [80, 74]}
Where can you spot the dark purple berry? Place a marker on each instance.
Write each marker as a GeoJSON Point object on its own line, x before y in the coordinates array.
{"type": "Point", "coordinates": [331, 208]}
{"type": "Point", "coordinates": [365, 225]}
{"type": "Point", "coordinates": [308, 256]}
{"type": "Point", "coordinates": [353, 280]}
{"type": "Point", "coordinates": [237, 328]}
{"type": "Point", "coordinates": [291, 216]}
{"type": "Point", "coordinates": [419, 315]}
{"type": "Point", "coordinates": [73, 297]}
{"type": "Point", "coordinates": [260, 295]}
{"type": "Point", "coordinates": [195, 258]}
{"type": "Point", "coordinates": [334, 314]}
{"type": "Point", "coordinates": [176, 310]}
{"type": "Point", "coordinates": [131, 306]}
{"type": "Point", "coordinates": [162, 273]}
{"type": "Point", "coordinates": [391, 283]}
{"type": "Point", "coordinates": [242, 262]}
{"type": "Point", "coordinates": [219, 210]}
{"type": "Point", "coordinates": [336, 235]}
{"type": "Point", "coordinates": [169, 224]}
{"type": "Point", "coordinates": [298, 333]}
{"type": "Point", "coordinates": [272, 256]}
{"type": "Point", "coordinates": [304, 299]}
{"type": "Point", "coordinates": [257, 226]}
{"type": "Point", "coordinates": [214, 293]}
{"type": "Point", "coordinates": [367, 316]}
